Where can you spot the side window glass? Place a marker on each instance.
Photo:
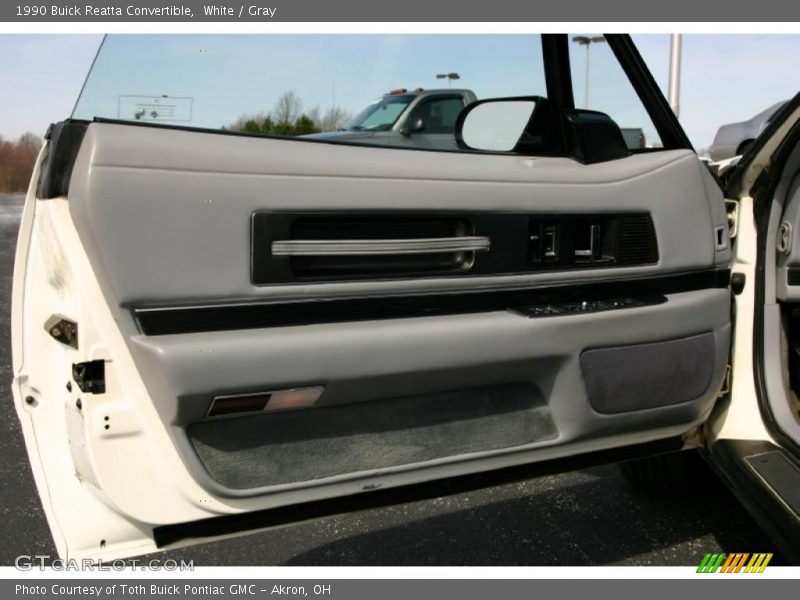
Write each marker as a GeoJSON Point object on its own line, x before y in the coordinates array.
{"type": "Point", "coordinates": [359, 89]}
{"type": "Point", "coordinates": [599, 83]}
{"type": "Point", "coordinates": [439, 115]}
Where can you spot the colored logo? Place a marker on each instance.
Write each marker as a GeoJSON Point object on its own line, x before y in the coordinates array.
{"type": "Point", "coordinates": [738, 562]}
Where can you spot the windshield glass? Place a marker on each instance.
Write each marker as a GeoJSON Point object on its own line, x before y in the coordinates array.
{"type": "Point", "coordinates": [381, 114]}
{"type": "Point", "coordinates": [296, 84]}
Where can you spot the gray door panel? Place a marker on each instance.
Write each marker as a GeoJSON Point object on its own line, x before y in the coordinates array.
{"type": "Point", "coordinates": [168, 227]}
{"type": "Point", "coordinates": [186, 202]}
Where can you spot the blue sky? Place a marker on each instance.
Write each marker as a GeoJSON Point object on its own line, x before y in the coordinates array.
{"type": "Point", "coordinates": [725, 77]}
{"type": "Point", "coordinates": [41, 77]}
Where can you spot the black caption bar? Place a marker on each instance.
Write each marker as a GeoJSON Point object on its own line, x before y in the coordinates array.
{"type": "Point", "coordinates": [445, 11]}
{"type": "Point", "coordinates": [731, 587]}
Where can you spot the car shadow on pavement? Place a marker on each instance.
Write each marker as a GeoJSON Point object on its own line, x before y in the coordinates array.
{"type": "Point", "coordinates": [596, 523]}
{"type": "Point", "coordinates": [589, 517]}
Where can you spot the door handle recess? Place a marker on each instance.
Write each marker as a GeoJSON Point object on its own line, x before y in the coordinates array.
{"type": "Point", "coordinates": [594, 241]}
{"type": "Point", "coordinates": [380, 247]}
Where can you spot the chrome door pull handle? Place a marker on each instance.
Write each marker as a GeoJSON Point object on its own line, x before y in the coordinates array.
{"type": "Point", "coordinates": [380, 247]}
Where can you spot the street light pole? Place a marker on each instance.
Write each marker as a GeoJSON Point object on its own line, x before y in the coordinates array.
{"type": "Point", "coordinates": [586, 79]}
{"type": "Point", "coordinates": [585, 40]}
{"type": "Point", "coordinates": [675, 73]}
{"type": "Point", "coordinates": [449, 76]}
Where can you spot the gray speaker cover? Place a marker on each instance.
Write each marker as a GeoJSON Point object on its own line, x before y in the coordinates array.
{"type": "Point", "coordinates": [627, 378]}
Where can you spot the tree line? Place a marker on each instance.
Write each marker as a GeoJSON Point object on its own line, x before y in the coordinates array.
{"type": "Point", "coordinates": [16, 162]}
{"type": "Point", "coordinates": [288, 118]}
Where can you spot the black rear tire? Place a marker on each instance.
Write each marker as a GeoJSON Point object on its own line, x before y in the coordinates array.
{"type": "Point", "coordinates": [677, 473]}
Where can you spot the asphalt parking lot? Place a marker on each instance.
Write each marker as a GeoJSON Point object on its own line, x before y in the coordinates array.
{"type": "Point", "coordinates": [587, 517]}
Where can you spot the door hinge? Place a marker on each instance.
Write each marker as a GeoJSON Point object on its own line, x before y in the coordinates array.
{"type": "Point", "coordinates": [725, 388]}
{"type": "Point", "coordinates": [732, 210]}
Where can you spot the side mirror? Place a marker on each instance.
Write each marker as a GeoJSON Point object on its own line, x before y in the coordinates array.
{"type": "Point", "coordinates": [524, 125]}
{"type": "Point", "coordinates": [594, 137]}
{"type": "Point", "coordinates": [413, 125]}
{"type": "Point", "coordinates": [497, 124]}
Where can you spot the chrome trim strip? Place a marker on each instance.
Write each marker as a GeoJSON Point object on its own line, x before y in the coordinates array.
{"type": "Point", "coordinates": [286, 399]}
{"type": "Point", "coordinates": [380, 247]}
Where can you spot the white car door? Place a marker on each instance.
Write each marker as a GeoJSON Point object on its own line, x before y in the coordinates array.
{"type": "Point", "coordinates": [215, 332]}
